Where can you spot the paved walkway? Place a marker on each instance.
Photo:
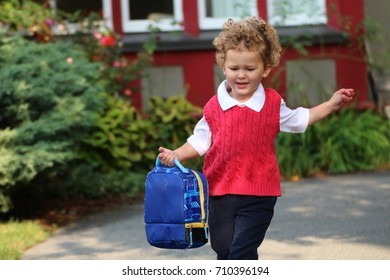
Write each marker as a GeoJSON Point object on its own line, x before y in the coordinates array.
{"type": "Point", "coordinates": [336, 217]}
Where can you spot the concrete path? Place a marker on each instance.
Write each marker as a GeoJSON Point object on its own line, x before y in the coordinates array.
{"type": "Point", "coordinates": [333, 218]}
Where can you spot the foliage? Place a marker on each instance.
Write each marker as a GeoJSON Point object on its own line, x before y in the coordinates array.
{"type": "Point", "coordinates": [91, 34]}
{"type": "Point", "coordinates": [103, 45]}
{"type": "Point", "coordinates": [84, 181]}
{"type": "Point", "coordinates": [27, 17]}
{"type": "Point", "coordinates": [124, 139]}
{"type": "Point", "coordinates": [349, 141]}
{"type": "Point", "coordinates": [119, 140]}
{"type": "Point", "coordinates": [35, 19]}
{"type": "Point", "coordinates": [16, 237]}
{"type": "Point", "coordinates": [298, 153]}
{"type": "Point", "coordinates": [49, 99]}
{"type": "Point", "coordinates": [174, 119]}
{"type": "Point", "coordinates": [354, 141]}
{"type": "Point", "coordinates": [175, 116]}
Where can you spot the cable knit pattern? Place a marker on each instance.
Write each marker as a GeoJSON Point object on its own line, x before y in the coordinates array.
{"type": "Point", "coordinates": [242, 159]}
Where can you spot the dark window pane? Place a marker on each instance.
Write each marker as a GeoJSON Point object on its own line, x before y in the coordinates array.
{"type": "Point", "coordinates": [141, 9]}
{"type": "Point", "coordinates": [209, 9]}
{"type": "Point", "coordinates": [85, 6]}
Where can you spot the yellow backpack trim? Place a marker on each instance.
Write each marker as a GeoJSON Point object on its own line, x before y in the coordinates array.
{"type": "Point", "coordinates": [201, 195]}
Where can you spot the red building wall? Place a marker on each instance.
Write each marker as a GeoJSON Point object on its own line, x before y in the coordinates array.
{"type": "Point", "coordinates": [351, 69]}
{"type": "Point", "coordinates": [198, 66]}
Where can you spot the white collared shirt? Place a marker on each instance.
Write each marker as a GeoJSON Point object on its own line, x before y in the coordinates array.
{"type": "Point", "coordinates": [294, 121]}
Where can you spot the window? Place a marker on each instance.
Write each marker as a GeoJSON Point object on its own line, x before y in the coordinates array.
{"type": "Point", "coordinates": [84, 8]}
{"type": "Point", "coordinates": [107, 14]}
{"type": "Point", "coordinates": [297, 12]}
{"type": "Point", "coordinates": [318, 76]}
{"type": "Point", "coordinates": [162, 81]}
{"type": "Point", "coordinates": [214, 13]}
{"type": "Point", "coordinates": [138, 15]}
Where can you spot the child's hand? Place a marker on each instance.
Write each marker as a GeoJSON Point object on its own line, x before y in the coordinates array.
{"type": "Point", "coordinates": [338, 99]}
{"type": "Point", "coordinates": [166, 156]}
{"type": "Point", "coordinates": [341, 97]}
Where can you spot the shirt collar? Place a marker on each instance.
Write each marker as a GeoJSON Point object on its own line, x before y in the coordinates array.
{"type": "Point", "coordinates": [226, 102]}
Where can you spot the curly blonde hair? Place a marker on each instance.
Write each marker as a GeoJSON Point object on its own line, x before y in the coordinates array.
{"type": "Point", "coordinates": [252, 34]}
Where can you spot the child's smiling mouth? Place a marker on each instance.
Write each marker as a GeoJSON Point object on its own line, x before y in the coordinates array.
{"type": "Point", "coordinates": [241, 84]}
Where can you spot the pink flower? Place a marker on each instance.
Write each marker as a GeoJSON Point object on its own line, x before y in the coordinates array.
{"type": "Point", "coordinates": [108, 41]}
{"type": "Point", "coordinates": [116, 64]}
{"type": "Point", "coordinates": [97, 35]}
{"type": "Point", "coordinates": [128, 92]}
{"type": "Point", "coordinates": [69, 60]}
{"type": "Point", "coordinates": [49, 21]}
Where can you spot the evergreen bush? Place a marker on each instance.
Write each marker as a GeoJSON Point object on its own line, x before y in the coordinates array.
{"type": "Point", "coordinates": [49, 99]}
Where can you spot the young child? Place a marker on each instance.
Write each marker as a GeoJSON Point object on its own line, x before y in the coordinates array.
{"type": "Point", "coordinates": [237, 135]}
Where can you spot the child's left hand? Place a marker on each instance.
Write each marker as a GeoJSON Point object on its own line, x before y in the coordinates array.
{"type": "Point", "coordinates": [341, 97]}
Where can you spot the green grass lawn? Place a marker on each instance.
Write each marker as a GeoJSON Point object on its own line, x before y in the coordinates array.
{"type": "Point", "coordinates": [16, 237]}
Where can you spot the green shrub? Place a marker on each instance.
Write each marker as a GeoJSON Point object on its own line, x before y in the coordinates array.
{"type": "Point", "coordinates": [84, 181]}
{"type": "Point", "coordinates": [298, 154]}
{"type": "Point", "coordinates": [123, 144]}
{"type": "Point", "coordinates": [125, 139]}
{"type": "Point", "coordinates": [120, 138]}
{"type": "Point", "coordinates": [174, 120]}
{"type": "Point", "coordinates": [27, 16]}
{"type": "Point", "coordinates": [348, 141]}
{"type": "Point", "coordinates": [354, 141]}
{"type": "Point", "coordinates": [49, 99]}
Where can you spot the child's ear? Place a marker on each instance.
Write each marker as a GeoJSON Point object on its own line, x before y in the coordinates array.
{"type": "Point", "coordinates": [266, 72]}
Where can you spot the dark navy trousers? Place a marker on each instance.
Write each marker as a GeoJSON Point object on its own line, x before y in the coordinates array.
{"type": "Point", "coordinates": [238, 224]}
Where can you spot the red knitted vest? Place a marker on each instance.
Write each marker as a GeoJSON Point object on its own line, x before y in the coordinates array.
{"type": "Point", "coordinates": [242, 158]}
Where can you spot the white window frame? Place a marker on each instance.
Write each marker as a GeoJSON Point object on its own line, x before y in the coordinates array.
{"type": "Point", "coordinates": [129, 25]}
{"type": "Point", "coordinates": [298, 19]}
{"type": "Point", "coordinates": [208, 23]}
{"type": "Point", "coordinates": [107, 14]}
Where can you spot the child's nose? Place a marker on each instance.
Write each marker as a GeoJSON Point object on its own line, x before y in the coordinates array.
{"type": "Point", "coordinates": [241, 74]}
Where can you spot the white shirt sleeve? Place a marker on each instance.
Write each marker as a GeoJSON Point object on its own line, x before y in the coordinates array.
{"type": "Point", "coordinates": [201, 139]}
{"type": "Point", "coordinates": [295, 121]}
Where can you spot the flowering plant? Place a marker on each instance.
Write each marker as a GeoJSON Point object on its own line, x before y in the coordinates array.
{"type": "Point", "coordinates": [91, 34]}
{"type": "Point", "coordinates": [103, 45]}
{"type": "Point", "coordinates": [27, 18]}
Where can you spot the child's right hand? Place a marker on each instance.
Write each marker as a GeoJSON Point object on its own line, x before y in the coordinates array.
{"type": "Point", "coordinates": [166, 156]}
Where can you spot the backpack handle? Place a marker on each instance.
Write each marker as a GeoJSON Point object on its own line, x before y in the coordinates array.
{"type": "Point", "coordinates": [176, 162]}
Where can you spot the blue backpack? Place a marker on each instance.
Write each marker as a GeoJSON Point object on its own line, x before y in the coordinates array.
{"type": "Point", "coordinates": [175, 210]}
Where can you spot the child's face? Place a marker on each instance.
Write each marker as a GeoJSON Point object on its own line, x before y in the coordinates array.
{"type": "Point", "coordinates": [244, 71]}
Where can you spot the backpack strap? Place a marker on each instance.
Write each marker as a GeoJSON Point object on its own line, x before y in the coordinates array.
{"type": "Point", "coordinates": [176, 162]}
